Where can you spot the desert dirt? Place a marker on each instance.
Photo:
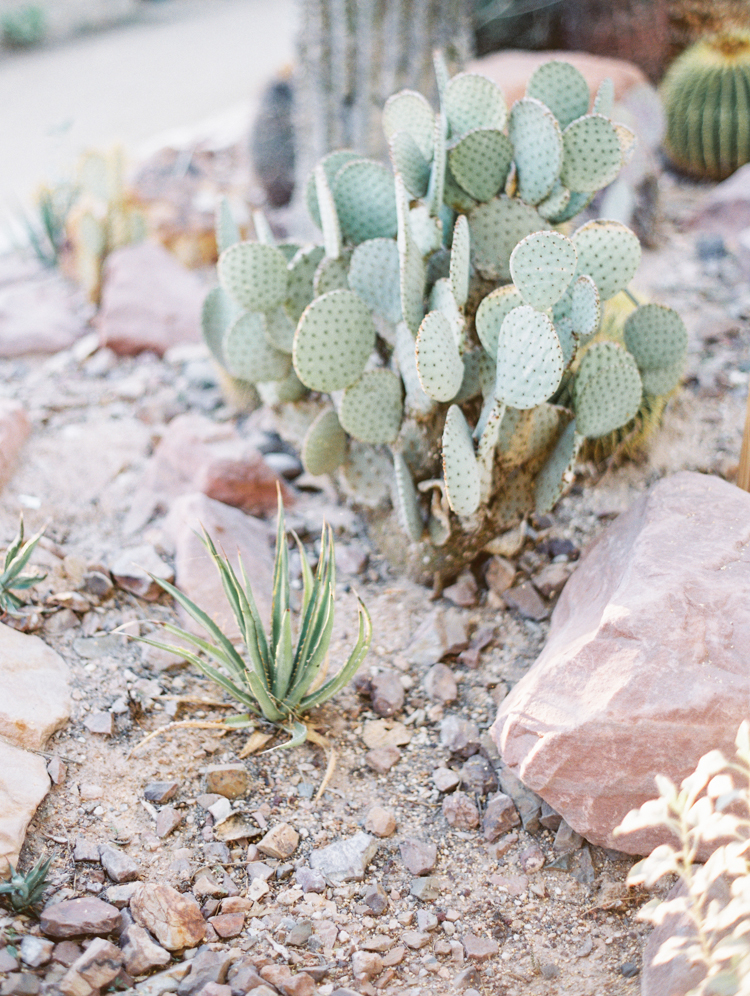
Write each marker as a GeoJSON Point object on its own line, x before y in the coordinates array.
{"type": "Point", "coordinates": [95, 420]}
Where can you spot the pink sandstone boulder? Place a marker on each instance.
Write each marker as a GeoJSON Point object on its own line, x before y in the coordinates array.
{"type": "Point", "coordinates": [150, 301]}
{"type": "Point", "coordinates": [14, 429]}
{"type": "Point", "coordinates": [40, 311]}
{"type": "Point", "coordinates": [647, 664]}
{"type": "Point", "coordinates": [233, 532]}
{"type": "Point", "coordinates": [512, 69]}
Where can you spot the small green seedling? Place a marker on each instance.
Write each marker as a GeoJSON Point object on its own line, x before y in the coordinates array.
{"type": "Point", "coordinates": [273, 677]}
{"type": "Point", "coordinates": [11, 579]}
{"type": "Point", "coordinates": [24, 892]}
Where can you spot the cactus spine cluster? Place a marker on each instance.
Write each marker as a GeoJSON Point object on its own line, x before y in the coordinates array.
{"type": "Point", "coordinates": [446, 314]}
{"type": "Point", "coordinates": [707, 100]}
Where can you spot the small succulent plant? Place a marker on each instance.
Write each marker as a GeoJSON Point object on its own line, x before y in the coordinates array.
{"type": "Point", "coordinates": [274, 678]}
{"type": "Point", "coordinates": [12, 579]}
{"type": "Point", "coordinates": [447, 326]}
{"type": "Point", "coordinates": [705, 96]}
{"type": "Point", "coordinates": [24, 892]}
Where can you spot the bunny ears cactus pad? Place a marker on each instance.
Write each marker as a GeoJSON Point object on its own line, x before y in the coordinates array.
{"type": "Point", "coordinates": [453, 327]}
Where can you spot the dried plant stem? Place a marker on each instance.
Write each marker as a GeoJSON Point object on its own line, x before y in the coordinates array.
{"type": "Point", "coordinates": [743, 473]}
{"type": "Point", "coordinates": [195, 723]}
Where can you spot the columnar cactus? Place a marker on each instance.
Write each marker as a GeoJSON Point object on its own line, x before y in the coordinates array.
{"type": "Point", "coordinates": [706, 96]}
{"type": "Point", "coordinates": [451, 314]}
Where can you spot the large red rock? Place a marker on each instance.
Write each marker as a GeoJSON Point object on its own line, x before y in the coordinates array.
{"type": "Point", "coordinates": [233, 532]}
{"type": "Point", "coordinates": [198, 454]}
{"type": "Point", "coordinates": [512, 69]}
{"type": "Point", "coordinates": [150, 301]}
{"type": "Point", "coordinates": [40, 311]}
{"type": "Point", "coordinates": [647, 664]}
{"type": "Point", "coordinates": [14, 430]}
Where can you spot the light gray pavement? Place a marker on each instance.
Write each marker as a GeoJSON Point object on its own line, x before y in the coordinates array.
{"type": "Point", "coordinates": [182, 64]}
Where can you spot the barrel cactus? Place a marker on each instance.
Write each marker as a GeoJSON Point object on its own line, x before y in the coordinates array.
{"type": "Point", "coordinates": [707, 100]}
{"type": "Point", "coordinates": [446, 326]}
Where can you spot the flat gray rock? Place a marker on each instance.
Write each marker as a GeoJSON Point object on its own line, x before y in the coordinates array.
{"type": "Point", "coordinates": [345, 860]}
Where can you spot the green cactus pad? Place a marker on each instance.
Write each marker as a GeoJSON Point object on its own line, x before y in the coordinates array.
{"type": "Point", "coordinates": [439, 364]}
{"type": "Point", "coordinates": [542, 265]}
{"type": "Point", "coordinates": [254, 275]}
{"type": "Point", "coordinates": [567, 337]}
{"type": "Point", "coordinates": [576, 203]}
{"type": "Point", "coordinates": [248, 353]}
{"type": "Point", "coordinates": [659, 381]}
{"type": "Point", "coordinates": [473, 101]}
{"type": "Point", "coordinates": [227, 232]}
{"type": "Point", "coordinates": [279, 330]}
{"type": "Point", "coordinates": [607, 390]}
{"type": "Point", "coordinates": [426, 230]}
{"type": "Point", "coordinates": [557, 473]}
{"type": "Point", "coordinates": [537, 148]}
{"type": "Point", "coordinates": [460, 468]}
{"type": "Point", "coordinates": [333, 341]}
{"type": "Point", "coordinates": [592, 153]}
{"type": "Point", "coordinates": [332, 274]}
{"type": "Point", "coordinates": [416, 401]}
{"type": "Point", "coordinates": [480, 162]}
{"type": "Point", "coordinates": [278, 392]}
{"type": "Point", "coordinates": [374, 274]}
{"type": "Point", "coordinates": [442, 300]}
{"type": "Point", "coordinates": [460, 261]}
{"type": "Point", "coordinates": [656, 336]}
{"type": "Point", "coordinates": [288, 250]}
{"type": "Point", "coordinates": [407, 159]}
{"type": "Point", "coordinates": [586, 310]}
{"type": "Point", "coordinates": [604, 100]}
{"type": "Point", "coordinates": [331, 163]}
{"type": "Point", "coordinates": [263, 232]}
{"type": "Point", "coordinates": [371, 409]}
{"type": "Point", "coordinates": [406, 499]}
{"type": "Point", "coordinates": [412, 273]}
{"type": "Point", "coordinates": [529, 359]}
{"type": "Point", "coordinates": [562, 88]}
{"type": "Point", "coordinates": [219, 312]}
{"type": "Point", "coordinates": [324, 447]}
{"type": "Point", "coordinates": [366, 474]}
{"type": "Point", "coordinates": [454, 195]}
{"type": "Point", "coordinates": [524, 435]}
{"type": "Point", "coordinates": [409, 111]}
{"type": "Point", "coordinates": [491, 315]}
{"type": "Point", "coordinates": [302, 269]}
{"type": "Point", "coordinates": [329, 220]}
{"type": "Point", "coordinates": [436, 186]}
{"type": "Point", "coordinates": [496, 227]}
{"type": "Point", "coordinates": [609, 253]}
{"type": "Point", "coordinates": [555, 202]}
{"type": "Point", "coordinates": [365, 201]}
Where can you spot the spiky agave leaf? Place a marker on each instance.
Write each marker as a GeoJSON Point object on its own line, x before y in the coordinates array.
{"type": "Point", "coordinates": [16, 558]}
{"type": "Point", "coordinates": [25, 891]}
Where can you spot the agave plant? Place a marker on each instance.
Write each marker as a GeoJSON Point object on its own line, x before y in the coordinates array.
{"type": "Point", "coordinates": [16, 558]}
{"type": "Point", "coordinates": [273, 678]}
{"type": "Point", "coordinates": [25, 891]}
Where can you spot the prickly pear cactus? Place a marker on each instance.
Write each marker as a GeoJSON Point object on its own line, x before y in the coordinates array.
{"type": "Point", "coordinates": [706, 92]}
{"type": "Point", "coordinates": [448, 325]}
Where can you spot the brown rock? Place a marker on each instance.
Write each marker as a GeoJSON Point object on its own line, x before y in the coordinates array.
{"type": "Point", "coordinates": [141, 953]}
{"type": "Point", "coordinates": [551, 580]}
{"type": "Point", "coordinates": [174, 919]}
{"type": "Point", "coordinates": [228, 924]}
{"type": "Point", "coordinates": [132, 570]}
{"type": "Point", "coordinates": [280, 842]}
{"type": "Point", "coordinates": [524, 599]}
{"type": "Point", "coordinates": [480, 948]}
{"type": "Point", "coordinates": [445, 780]}
{"type": "Point", "coordinates": [440, 684]}
{"type": "Point", "coordinates": [646, 666]}
{"type": "Point", "coordinates": [418, 856]}
{"type": "Point", "coordinates": [100, 722]}
{"type": "Point", "coordinates": [415, 939]}
{"type": "Point", "coordinates": [460, 811]}
{"type": "Point", "coordinates": [442, 633]}
{"type": "Point", "coordinates": [235, 533]}
{"type": "Point", "coordinates": [229, 780]}
{"type": "Point", "coordinates": [39, 314]}
{"type": "Point", "coordinates": [386, 693]}
{"type": "Point", "coordinates": [288, 984]}
{"type": "Point", "coordinates": [118, 865]}
{"type": "Point", "coordinates": [198, 454]}
{"type": "Point", "coordinates": [463, 591]}
{"type": "Point", "coordinates": [499, 816]}
{"type": "Point", "coordinates": [149, 301]}
{"type": "Point", "coordinates": [381, 822]}
{"type": "Point", "coordinates": [23, 784]}
{"type": "Point", "coordinates": [79, 918]}
{"type": "Point", "coordinates": [167, 821]}
{"type": "Point", "coordinates": [14, 430]}
{"type": "Point", "coordinates": [512, 69]}
{"type": "Point", "coordinates": [532, 859]}
{"type": "Point", "coordinates": [160, 792]}
{"type": "Point", "coordinates": [478, 775]}
{"type": "Point", "coordinates": [94, 969]}
{"type": "Point", "coordinates": [366, 964]}
{"type": "Point", "coordinates": [500, 574]}
{"type": "Point", "coordinates": [382, 759]}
